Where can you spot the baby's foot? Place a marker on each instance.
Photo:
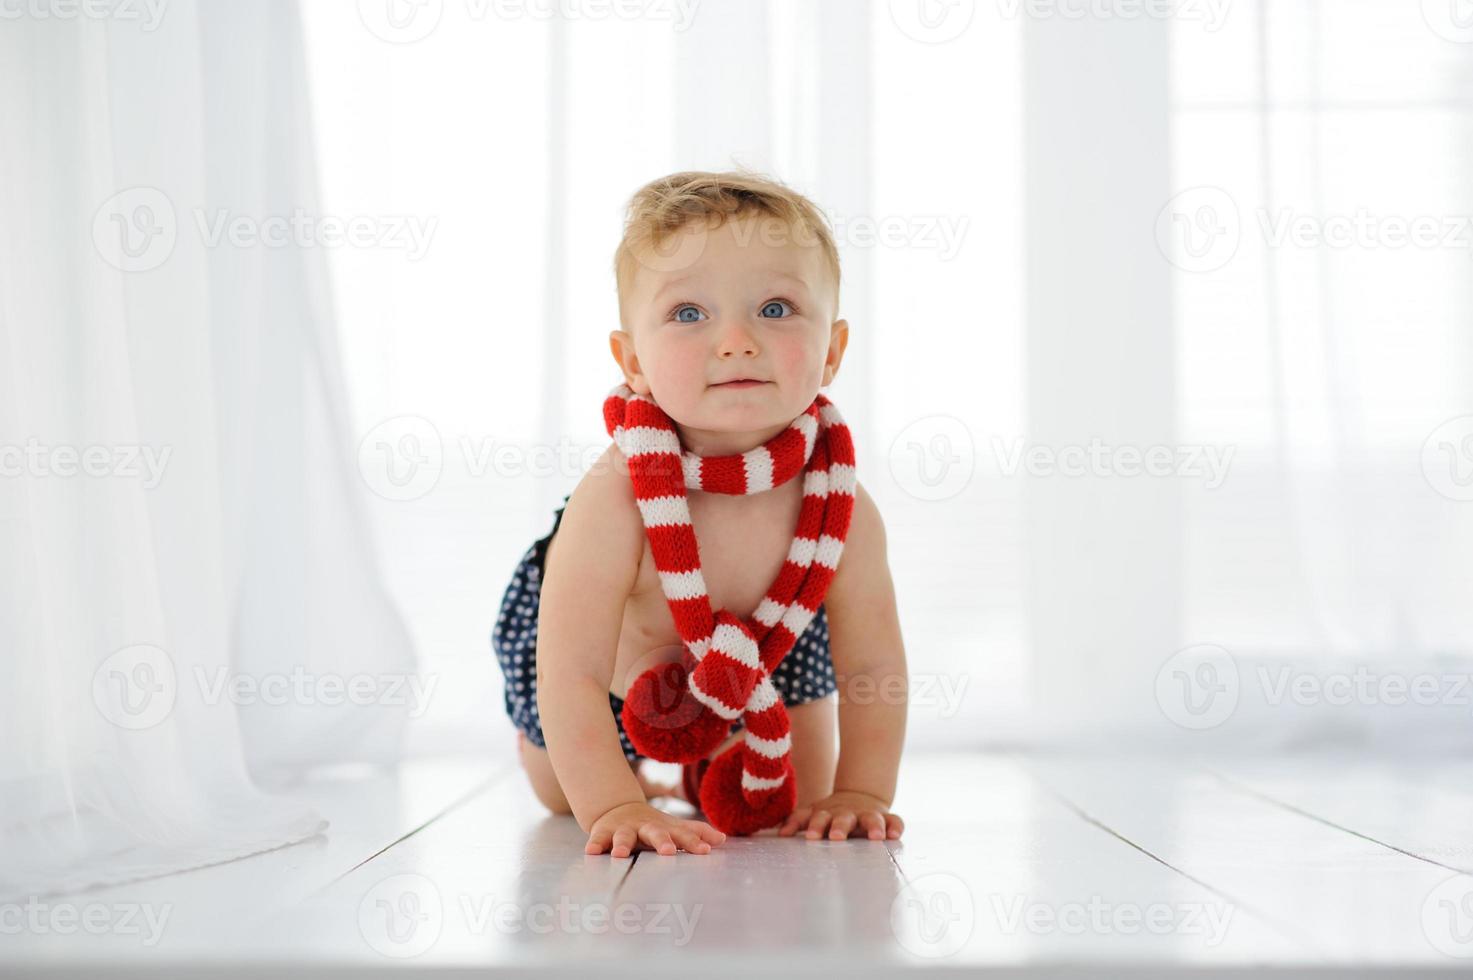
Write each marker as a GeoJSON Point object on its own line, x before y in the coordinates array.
{"type": "Point", "coordinates": [653, 787]}
{"type": "Point", "coordinates": [690, 781]}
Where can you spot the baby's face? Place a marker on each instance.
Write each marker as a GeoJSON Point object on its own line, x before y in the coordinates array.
{"type": "Point", "coordinates": [749, 299]}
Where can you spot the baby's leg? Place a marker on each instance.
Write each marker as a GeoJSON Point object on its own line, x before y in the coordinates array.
{"type": "Point", "coordinates": [538, 765]}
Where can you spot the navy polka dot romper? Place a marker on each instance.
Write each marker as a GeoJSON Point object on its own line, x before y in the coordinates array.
{"type": "Point", "coordinates": [805, 674]}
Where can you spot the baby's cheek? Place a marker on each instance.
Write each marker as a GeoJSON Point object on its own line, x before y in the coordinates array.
{"type": "Point", "coordinates": [679, 374]}
{"type": "Point", "coordinates": [801, 362]}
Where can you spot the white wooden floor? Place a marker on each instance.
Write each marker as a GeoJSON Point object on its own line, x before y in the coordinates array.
{"type": "Point", "coordinates": [1029, 865]}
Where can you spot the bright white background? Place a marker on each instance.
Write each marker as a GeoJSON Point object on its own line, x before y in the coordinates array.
{"type": "Point", "coordinates": [1315, 373]}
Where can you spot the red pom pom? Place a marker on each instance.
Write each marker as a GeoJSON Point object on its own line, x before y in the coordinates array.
{"type": "Point", "coordinates": [726, 807]}
{"type": "Point", "coordinates": [664, 720]}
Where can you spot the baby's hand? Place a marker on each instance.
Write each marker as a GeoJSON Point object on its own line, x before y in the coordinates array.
{"type": "Point", "coordinates": [632, 825]}
{"type": "Point", "coordinates": [844, 814]}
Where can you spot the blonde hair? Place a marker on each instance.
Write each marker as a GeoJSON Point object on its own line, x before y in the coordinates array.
{"type": "Point", "coordinates": [668, 204]}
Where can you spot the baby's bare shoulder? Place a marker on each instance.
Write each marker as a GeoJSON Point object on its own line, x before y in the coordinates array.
{"type": "Point", "coordinates": [592, 565]}
{"type": "Point", "coordinates": [601, 530]}
{"type": "Point", "coordinates": [863, 565]}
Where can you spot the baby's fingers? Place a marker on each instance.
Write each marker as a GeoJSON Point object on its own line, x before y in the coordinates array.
{"type": "Point", "coordinates": [817, 824]}
{"type": "Point", "coordinates": [843, 823]}
{"type": "Point", "coordinates": [690, 839]}
{"type": "Point", "coordinates": [624, 841]}
{"type": "Point", "coordinates": [894, 826]}
{"type": "Point", "coordinates": [657, 837]}
{"type": "Point", "coordinates": [796, 820]}
{"type": "Point", "coordinates": [708, 833]}
{"type": "Point", "coordinates": [598, 841]}
{"type": "Point", "coordinates": [873, 824]}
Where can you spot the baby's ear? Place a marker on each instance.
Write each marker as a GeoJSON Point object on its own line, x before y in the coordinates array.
{"type": "Point", "coordinates": [838, 340]}
{"type": "Point", "coordinates": [621, 345]}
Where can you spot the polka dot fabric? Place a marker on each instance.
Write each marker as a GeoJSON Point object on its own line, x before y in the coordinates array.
{"type": "Point", "coordinates": [805, 674]}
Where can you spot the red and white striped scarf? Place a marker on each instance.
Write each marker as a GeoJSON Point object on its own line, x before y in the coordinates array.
{"type": "Point", "coordinates": [680, 712]}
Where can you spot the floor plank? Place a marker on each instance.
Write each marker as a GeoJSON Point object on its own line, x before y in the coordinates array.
{"type": "Point", "coordinates": [1419, 807]}
{"type": "Point", "coordinates": [495, 880]}
{"type": "Point", "coordinates": [221, 908]}
{"type": "Point", "coordinates": [1044, 885]}
{"type": "Point", "coordinates": [1350, 899]}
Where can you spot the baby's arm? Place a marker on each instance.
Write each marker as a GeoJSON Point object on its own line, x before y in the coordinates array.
{"type": "Point", "coordinates": [589, 575]}
{"type": "Point", "coordinates": [869, 660]}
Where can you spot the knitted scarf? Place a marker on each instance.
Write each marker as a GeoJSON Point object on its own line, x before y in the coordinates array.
{"type": "Point", "coordinates": [682, 711]}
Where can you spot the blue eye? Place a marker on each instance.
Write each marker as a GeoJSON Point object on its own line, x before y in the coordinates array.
{"type": "Point", "coordinates": [681, 311]}
{"type": "Point", "coordinates": [775, 304]}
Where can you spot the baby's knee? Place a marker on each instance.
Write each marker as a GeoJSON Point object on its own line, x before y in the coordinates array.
{"type": "Point", "coordinates": [538, 766]}
{"type": "Point", "coordinates": [556, 803]}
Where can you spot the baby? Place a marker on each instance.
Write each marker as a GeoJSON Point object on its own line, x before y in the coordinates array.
{"type": "Point", "coordinates": [728, 288]}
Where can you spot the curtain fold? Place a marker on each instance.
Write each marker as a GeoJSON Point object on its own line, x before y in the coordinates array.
{"type": "Point", "coordinates": [189, 592]}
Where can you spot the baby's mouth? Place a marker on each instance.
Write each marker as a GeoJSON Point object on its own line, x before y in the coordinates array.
{"type": "Point", "coordinates": [740, 383]}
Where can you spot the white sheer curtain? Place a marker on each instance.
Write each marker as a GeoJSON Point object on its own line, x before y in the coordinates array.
{"type": "Point", "coordinates": [997, 174]}
{"type": "Point", "coordinates": [186, 588]}
{"type": "Point", "coordinates": [521, 139]}
{"type": "Point", "coordinates": [1334, 354]}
